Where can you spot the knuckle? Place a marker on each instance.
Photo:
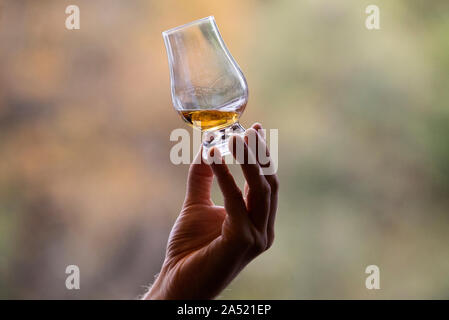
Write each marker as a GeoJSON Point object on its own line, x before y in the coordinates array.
{"type": "Point", "coordinates": [253, 242]}
{"type": "Point", "coordinates": [266, 188]}
{"type": "Point", "coordinates": [260, 245]}
{"type": "Point", "coordinates": [247, 239]}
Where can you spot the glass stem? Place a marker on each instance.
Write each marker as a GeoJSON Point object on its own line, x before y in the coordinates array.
{"type": "Point", "coordinates": [220, 139]}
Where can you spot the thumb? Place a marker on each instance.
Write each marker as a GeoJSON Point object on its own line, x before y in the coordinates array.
{"type": "Point", "coordinates": [199, 182]}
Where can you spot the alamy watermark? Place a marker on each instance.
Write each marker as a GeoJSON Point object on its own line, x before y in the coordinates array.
{"type": "Point", "coordinates": [259, 151]}
{"type": "Point", "coordinates": [373, 280]}
{"type": "Point", "coordinates": [72, 282]}
{"type": "Point", "coordinates": [372, 21]}
{"type": "Point", "coordinates": [72, 22]}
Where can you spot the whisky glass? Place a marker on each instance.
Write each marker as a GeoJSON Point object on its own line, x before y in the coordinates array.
{"type": "Point", "coordinates": [208, 88]}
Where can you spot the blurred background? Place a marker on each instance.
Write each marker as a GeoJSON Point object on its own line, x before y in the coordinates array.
{"type": "Point", "coordinates": [363, 119]}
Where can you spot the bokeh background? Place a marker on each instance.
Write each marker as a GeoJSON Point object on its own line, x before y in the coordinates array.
{"type": "Point", "coordinates": [363, 119]}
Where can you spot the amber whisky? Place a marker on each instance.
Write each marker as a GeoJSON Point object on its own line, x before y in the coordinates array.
{"type": "Point", "coordinates": [210, 119]}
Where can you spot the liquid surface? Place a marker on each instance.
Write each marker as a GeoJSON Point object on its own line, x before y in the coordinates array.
{"type": "Point", "coordinates": [209, 119]}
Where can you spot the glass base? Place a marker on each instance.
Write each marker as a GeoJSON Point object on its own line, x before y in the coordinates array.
{"type": "Point", "coordinates": [220, 139]}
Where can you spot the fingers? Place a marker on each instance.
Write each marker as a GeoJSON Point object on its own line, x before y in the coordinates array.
{"type": "Point", "coordinates": [258, 200]}
{"type": "Point", "coordinates": [233, 199]}
{"type": "Point", "coordinates": [247, 160]}
{"type": "Point", "coordinates": [261, 149]}
{"type": "Point", "coordinates": [199, 182]}
{"type": "Point", "coordinates": [255, 139]}
{"type": "Point", "coordinates": [261, 191]}
{"type": "Point", "coordinates": [258, 127]}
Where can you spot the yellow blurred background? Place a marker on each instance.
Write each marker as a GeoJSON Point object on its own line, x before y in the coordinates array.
{"type": "Point", "coordinates": [363, 119]}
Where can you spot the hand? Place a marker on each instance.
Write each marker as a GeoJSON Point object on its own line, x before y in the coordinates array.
{"type": "Point", "coordinates": [209, 245]}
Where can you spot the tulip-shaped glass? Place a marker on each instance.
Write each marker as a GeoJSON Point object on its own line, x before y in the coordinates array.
{"type": "Point", "coordinates": [208, 88]}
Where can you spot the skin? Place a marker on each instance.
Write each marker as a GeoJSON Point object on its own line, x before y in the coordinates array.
{"type": "Point", "coordinates": [209, 245]}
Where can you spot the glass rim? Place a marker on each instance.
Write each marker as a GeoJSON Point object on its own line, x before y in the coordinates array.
{"type": "Point", "coordinates": [189, 24]}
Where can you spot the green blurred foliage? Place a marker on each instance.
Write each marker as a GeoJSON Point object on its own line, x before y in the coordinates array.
{"type": "Point", "coordinates": [363, 119]}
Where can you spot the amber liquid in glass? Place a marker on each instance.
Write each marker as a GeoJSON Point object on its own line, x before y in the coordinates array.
{"type": "Point", "coordinates": [211, 119]}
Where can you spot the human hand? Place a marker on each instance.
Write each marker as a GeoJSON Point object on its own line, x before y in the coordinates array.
{"type": "Point", "coordinates": [209, 245]}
